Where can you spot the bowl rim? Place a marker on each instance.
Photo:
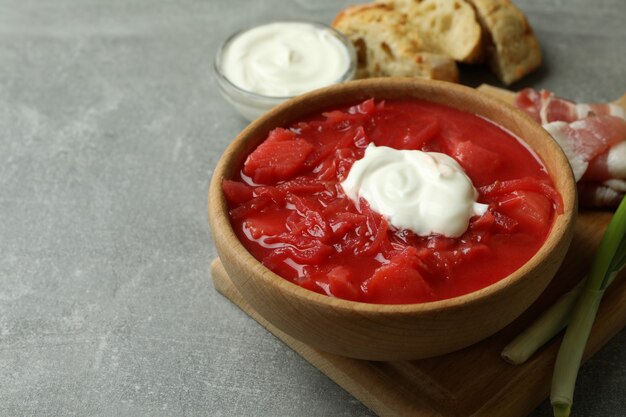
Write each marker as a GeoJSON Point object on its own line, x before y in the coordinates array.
{"type": "Point", "coordinates": [559, 230]}
{"type": "Point", "coordinates": [222, 78]}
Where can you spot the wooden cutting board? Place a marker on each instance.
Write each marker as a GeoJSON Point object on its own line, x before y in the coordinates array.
{"type": "Point", "coordinates": [474, 381]}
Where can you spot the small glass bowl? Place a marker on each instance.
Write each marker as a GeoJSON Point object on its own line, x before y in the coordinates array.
{"type": "Point", "coordinates": [251, 105]}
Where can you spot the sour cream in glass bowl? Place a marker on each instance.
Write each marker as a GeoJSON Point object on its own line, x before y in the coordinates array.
{"type": "Point", "coordinates": [259, 68]}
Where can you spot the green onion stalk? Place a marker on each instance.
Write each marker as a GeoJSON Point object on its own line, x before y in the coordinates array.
{"type": "Point", "coordinates": [548, 325]}
{"type": "Point", "coordinates": [608, 260]}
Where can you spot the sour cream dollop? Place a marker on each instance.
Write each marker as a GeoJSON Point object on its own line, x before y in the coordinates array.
{"type": "Point", "coordinates": [285, 59]}
{"type": "Point", "coordinates": [426, 192]}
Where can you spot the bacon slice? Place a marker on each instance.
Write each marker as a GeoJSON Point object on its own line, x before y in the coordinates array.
{"type": "Point", "coordinates": [592, 136]}
{"type": "Point", "coordinates": [584, 140]}
{"type": "Point", "coordinates": [611, 164]}
{"type": "Point", "coordinates": [545, 107]}
{"type": "Point", "coordinates": [530, 101]}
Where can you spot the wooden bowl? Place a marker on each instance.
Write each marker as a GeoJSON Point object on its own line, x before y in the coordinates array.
{"type": "Point", "coordinates": [391, 332]}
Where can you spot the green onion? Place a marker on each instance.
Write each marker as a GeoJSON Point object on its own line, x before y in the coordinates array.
{"type": "Point", "coordinates": [548, 325]}
{"type": "Point", "coordinates": [608, 260]}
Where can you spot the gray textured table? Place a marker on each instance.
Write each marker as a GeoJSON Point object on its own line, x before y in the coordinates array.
{"type": "Point", "coordinates": [110, 126]}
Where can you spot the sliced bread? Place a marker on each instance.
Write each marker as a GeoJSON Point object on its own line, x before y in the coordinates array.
{"type": "Point", "coordinates": [512, 49]}
{"type": "Point", "coordinates": [448, 27]}
{"type": "Point", "coordinates": [386, 46]}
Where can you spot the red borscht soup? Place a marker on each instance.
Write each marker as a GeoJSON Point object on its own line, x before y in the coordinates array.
{"type": "Point", "coordinates": [289, 210]}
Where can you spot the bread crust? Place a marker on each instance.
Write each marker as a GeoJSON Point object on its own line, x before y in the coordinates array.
{"type": "Point", "coordinates": [513, 50]}
{"type": "Point", "coordinates": [387, 47]}
{"type": "Point", "coordinates": [448, 27]}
